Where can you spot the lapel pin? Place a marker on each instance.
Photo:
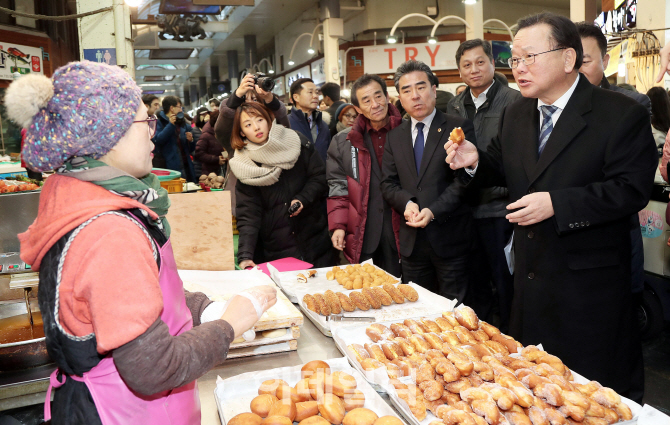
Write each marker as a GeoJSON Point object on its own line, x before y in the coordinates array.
{"type": "Point", "coordinates": [439, 130]}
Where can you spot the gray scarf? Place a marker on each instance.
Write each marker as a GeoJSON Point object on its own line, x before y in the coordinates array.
{"type": "Point", "coordinates": [280, 152]}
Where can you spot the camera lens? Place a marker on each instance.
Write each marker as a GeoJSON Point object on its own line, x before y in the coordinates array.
{"type": "Point", "coordinates": [266, 83]}
{"type": "Point", "coordinates": [180, 115]}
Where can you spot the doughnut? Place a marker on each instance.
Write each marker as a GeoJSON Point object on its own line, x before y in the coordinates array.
{"type": "Point", "coordinates": [345, 302]}
{"type": "Point", "coordinates": [314, 367]}
{"type": "Point", "coordinates": [467, 317]}
{"type": "Point", "coordinates": [310, 303]}
{"type": "Point", "coordinates": [360, 416]}
{"type": "Point", "coordinates": [400, 330]}
{"type": "Point", "coordinates": [333, 302]}
{"type": "Point", "coordinates": [434, 340]}
{"type": "Point", "coordinates": [284, 407]}
{"type": "Point", "coordinates": [414, 326]}
{"type": "Point", "coordinates": [392, 350]}
{"type": "Point", "coordinates": [489, 329]}
{"type": "Point", "coordinates": [330, 275]}
{"type": "Point", "coordinates": [305, 410]}
{"type": "Point", "coordinates": [449, 316]}
{"type": "Point", "coordinates": [302, 390]}
{"type": "Point", "coordinates": [321, 304]}
{"type": "Point", "coordinates": [245, 419]}
{"type": "Point", "coordinates": [430, 325]}
{"type": "Point", "coordinates": [376, 352]}
{"type": "Point", "coordinates": [261, 405]}
{"type": "Point", "coordinates": [371, 364]}
{"type": "Point", "coordinates": [457, 136]}
{"type": "Point", "coordinates": [359, 301]}
{"type": "Point", "coordinates": [394, 293]}
{"type": "Point", "coordinates": [314, 420]}
{"type": "Point", "coordinates": [371, 297]}
{"type": "Point", "coordinates": [302, 278]}
{"type": "Point", "coordinates": [443, 324]}
{"type": "Point", "coordinates": [388, 420]}
{"type": "Point", "coordinates": [408, 292]}
{"type": "Point", "coordinates": [331, 408]}
{"type": "Point", "coordinates": [354, 400]}
{"type": "Point", "coordinates": [382, 295]}
{"type": "Point", "coordinates": [407, 348]}
{"type": "Point", "coordinates": [432, 390]}
{"type": "Point", "coordinates": [343, 384]}
{"type": "Point", "coordinates": [276, 420]}
{"type": "Point", "coordinates": [270, 387]}
{"type": "Point", "coordinates": [359, 351]}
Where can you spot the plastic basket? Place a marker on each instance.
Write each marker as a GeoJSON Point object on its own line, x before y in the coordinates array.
{"type": "Point", "coordinates": [173, 186]}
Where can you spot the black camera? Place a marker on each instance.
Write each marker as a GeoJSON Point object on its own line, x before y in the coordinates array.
{"type": "Point", "coordinates": [266, 83]}
{"type": "Point", "coordinates": [293, 208]}
{"type": "Point", "coordinates": [180, 120]}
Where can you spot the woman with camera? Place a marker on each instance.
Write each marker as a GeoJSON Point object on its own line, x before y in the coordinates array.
{"type": "Point", "coordinates": [248, 91]}
{"type": "Point", "coordinates": [208, 150]}
{"type": "Point", "coordinates": [280, 190]}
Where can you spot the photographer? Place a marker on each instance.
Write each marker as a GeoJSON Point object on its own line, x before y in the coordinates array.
{"type": "Point", "coordinates": [248, 91]}
{"type": "Point", "coordinates": [281, 187]}
{"type": "Point", "coordinates": [174, 138]}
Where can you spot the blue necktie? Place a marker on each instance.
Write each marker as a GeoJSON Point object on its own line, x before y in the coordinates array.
{"type": "Point", "coordinates": [418, 146]}
{"type": "Point", "coordinates": [547, 126]}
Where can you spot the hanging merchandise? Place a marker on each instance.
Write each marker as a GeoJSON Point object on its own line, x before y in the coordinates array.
{"type": "Point", "coordinates": [644, 51]}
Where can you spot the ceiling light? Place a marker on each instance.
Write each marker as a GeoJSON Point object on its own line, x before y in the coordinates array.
{"type": "Point", "coordinates": [470, 1]}
{"type": "Point", "coordinates": [345, 93]}
{"type": "Point", "coordinates": [271, 71]}
{"type": "Point", "coordinates": [310, 51]}
{"type": "Point", "coordinates": [133, 3]}
{"type": "Point", "coordinates": [432, 40]}
{"type": "Point", "coordinates": [391, 39]}
{"type": "Point", "coordinates": [291, 63]}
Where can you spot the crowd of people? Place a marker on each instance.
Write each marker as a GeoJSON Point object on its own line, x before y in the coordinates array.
{"type": "Point", "coordinates": [531, 219]}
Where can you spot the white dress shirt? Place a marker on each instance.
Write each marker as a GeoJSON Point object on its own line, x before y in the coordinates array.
{"type": "Point", "coordinates": [479, 100]}
{"type": "Point", "coordinates": [560, 103]}
{"type": "Point", "coordinates": [426, 127]}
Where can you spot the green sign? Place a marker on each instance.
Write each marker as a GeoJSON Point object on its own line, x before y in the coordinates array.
{"type": "Point", "coordinates": [22, 71]}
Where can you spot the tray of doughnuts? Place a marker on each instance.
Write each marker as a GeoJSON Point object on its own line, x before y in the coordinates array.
{"type": "Point", "coordinates": [396, 302]}
{"type": "Point", "coordinates": [316, 393]}
{"type": "Point", "coordinates": [453, 368]}
{"type": "Point", "coordinates": [338, 278]}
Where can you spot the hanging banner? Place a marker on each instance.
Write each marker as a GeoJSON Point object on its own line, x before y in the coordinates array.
{"type": "Point", "coordinates": [318, 73]}
{"type": "Point", "coordinates": [19, 58]}
{"type": "Point", "coordinates": [384, 59]}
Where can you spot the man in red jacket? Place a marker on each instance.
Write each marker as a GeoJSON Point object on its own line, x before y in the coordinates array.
{"type": "Point", "coordinates": [364, 226]}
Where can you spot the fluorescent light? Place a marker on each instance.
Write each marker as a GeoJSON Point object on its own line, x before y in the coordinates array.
{"type": "Point", "coordinates": [432, 40]}
{"type": "Point", "coordinates": [391, 39]}
{"type": "Point", "coordinates": [133, 3]}
{"type": "Point", "coordinates": [291, 63]}
{"type": "Point", "coordinates": [346, 92]}
{"type": "Point", "coordinates": [470, 1]}
{"type": "Point", "coordinates": [271, 71]}
{"type": "Point", "coordinates": [310, 51]}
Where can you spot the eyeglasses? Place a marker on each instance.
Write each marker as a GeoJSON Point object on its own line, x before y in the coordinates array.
{"type": "Point", "coordinates": [151, 122]}
{"type": "Point", "coordinates": [529, 58]}
{"type": "Point", "coordinates": [350, 116]}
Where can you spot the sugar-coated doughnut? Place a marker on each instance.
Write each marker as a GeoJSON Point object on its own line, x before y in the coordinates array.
{"type": "Point", "coordinates": [457, 136]}
{"type": "Point", "coordinates": [371, 297]}
{"type": "Point", "coordinates": [343, 384]}
{"type": "Point", "coordinates": [467, 317]}
{"type": "Point", "coordinates": [394, 293]}
{"type": "Point", "coordinates": [408, 292]}
{"type": "Point", "coordinates": [345, 302]}
{"type": "Point", "coordinates": [245, 419]}
{"type": "Point", "coordinates": [322, 305]}
{"type": "Point", "coordinates": [359, 301]}
{"type": "Point", "coordinates": [382, 295]}
{"type": "Point", "coordinates": [310, 303]}
{"type": "Point", "coordinates": [331, 408]}
{"type": "Point", "coordinates": [333, 302]}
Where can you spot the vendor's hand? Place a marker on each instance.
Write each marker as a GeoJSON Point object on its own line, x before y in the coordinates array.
{"type": "Point", "coordinates": [246, 85]}
{"type": "Point", "coordinates": [411, 211]}
{"type": "Point", "coordinates": [189, 136]}
{"type": "Point", "coordinates": [222, 160]}
{"type": "Point", "coordinates": [665, 62]}
{"type": "Point", "coordinates": [247, 263]}
{"type": "Point", "coordinates": [535, 207]}
{"type": "Point", "coordinates": [461, 156]}
{"type": "Point", "coordinates": [241, 313]}
{"type": "Point", "coordinates": [299, 209]}
{"type": "Point", "coordinates": [422, 219]}
{"type": "Point", "coordinates": [338, 239]}
{"type": "Point", "coordinates": [263, 95]}
{"type": "Point", "coordinates": [172, 118]}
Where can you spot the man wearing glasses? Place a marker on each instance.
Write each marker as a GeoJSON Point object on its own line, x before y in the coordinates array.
{"type": "Point", "coordinates": [577, 161]}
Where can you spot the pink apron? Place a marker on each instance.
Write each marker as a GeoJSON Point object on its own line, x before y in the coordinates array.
{"type": "Point", "coordinates": [118, 404]}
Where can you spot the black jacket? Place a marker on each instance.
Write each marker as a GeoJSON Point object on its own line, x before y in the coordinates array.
{"type": "Point", "coordinates": [267, 232]}
{"type": "Point", "coordinates": [572, 277]}
{"type": "Point", "coordinates": [450, 233]}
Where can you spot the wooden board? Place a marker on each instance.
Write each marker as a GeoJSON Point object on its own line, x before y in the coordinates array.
{"type": "Point", "coordinates": [263, 349]}
{"type": "Point", "coordinates": [202, 230]}
{"type": "Point", "coordinates": [221, 285]}
{"type": "Point", "coordinates": [291, 333]}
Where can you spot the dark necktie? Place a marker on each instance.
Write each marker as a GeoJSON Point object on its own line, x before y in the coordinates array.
{"type": "Point", "coordinates": [547, 126]}
{"type": "Point", "coordinates": [418, 146]}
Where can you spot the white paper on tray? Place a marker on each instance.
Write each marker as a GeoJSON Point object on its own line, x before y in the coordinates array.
{"type": "Point", "coordinates": [427, 304]}
{"type": "Point", "coordinates": [288, 281]}
{"type": "Point", "coordinates": [233, 395]}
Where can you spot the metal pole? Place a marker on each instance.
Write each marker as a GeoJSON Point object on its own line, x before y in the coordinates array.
{"type": "Point", "coordinates": [119, 33]}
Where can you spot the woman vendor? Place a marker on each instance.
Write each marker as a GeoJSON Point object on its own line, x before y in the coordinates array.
{"type": "Point", "coordinates": [128, 341]}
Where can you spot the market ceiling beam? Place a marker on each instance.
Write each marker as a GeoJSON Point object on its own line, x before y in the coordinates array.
{"type": "Point", "coordinates": [147, 61]}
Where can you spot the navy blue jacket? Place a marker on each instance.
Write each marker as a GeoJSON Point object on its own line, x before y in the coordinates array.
{"type": "Point", "coordinates": [166, 142]}
{"type": "Point", "coordinates": [299, 123]}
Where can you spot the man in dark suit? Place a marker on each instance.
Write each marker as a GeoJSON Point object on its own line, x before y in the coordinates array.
{"type": "Point", "coordinates": [437, 234]}
{"type": "Point", "coordinates": [577, 161]}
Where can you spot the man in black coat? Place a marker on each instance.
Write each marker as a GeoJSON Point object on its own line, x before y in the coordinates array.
{"type": "Point", "coordinates": [577, 170]}
{"type": "Point", "coordinates": [437, 236]}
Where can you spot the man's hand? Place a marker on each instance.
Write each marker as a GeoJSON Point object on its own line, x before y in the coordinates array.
{"type": "Point", "coordinates": [263, 95]}
{"type": "Point", "coordinates": [247, 263]}
{"type": "Point", "coordinates": [338, 239]}
{"type": "Point", "coordinates": [189, 136]}
{"type": "Point", "coordinates": [460, 156]}
{"type": "Point", "coordinates": [422, 219]}
{"type": "Point", "coordinates": [665, 62]}
{"type": "Point", "coordinates": [172, 118]}
{"type": "Point", "coordinates": [246, 84]}
{"type": "Point", "coordinates": [411, 211]}
{"type": "Point", "coordinates": [299, 209]}
{"type": "Point", "coordinates": [222, 160]}
{"type": "Point", "coordinates": [535, 208]}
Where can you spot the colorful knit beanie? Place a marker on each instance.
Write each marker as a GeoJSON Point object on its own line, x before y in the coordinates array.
{"type": "Point", "coordinates": [83, 111]}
